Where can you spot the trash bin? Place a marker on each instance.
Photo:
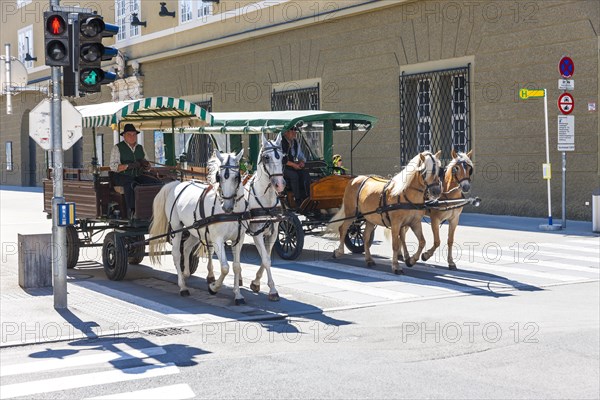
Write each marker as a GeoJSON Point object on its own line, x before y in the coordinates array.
{"type": "Point", "coordinates": [596, 211]}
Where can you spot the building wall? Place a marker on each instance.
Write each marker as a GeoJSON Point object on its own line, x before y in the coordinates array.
{"type": "Point", "coordinates": [358, 55]}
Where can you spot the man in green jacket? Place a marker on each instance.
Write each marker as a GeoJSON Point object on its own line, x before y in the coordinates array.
{"type": "Point", "coordinates": [128, 162]}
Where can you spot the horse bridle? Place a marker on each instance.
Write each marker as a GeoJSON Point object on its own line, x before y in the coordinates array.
{"type": "Point", "coordinates": [276, 150]}
{"type": "Point", "coordinates": [227, 168]}
{"type": "Point", "coordinates": [424, 174]}
{"type": "Point", "coordinates": [469, 172]}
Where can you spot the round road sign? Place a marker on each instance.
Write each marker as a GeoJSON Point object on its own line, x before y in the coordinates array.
{"type": "Point", "coordinates": [566, 67]}
{"type": "Point", "coordinates": [566, 103]}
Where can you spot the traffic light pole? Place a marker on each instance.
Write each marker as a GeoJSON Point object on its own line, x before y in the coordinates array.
{"type": "Point", "coordinates": [59, 233]}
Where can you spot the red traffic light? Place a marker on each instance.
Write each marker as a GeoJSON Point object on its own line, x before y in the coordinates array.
{"type": "Point", "coordinates": [56, 25]}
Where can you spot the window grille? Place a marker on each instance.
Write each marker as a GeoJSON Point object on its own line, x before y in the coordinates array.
{"type": "Point", "coordinates": [199, 147]}
{"type": "Point", "coordinates": [296, 99]}
{"type": "Point", "coordinates": [434, 113]}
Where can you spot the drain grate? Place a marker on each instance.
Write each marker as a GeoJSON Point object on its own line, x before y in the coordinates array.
{"type": "Point", "coordinates": [167, 331]}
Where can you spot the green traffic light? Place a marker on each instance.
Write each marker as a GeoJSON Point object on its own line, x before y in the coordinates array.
{"type": "Point", "coordinates": [91, 79]}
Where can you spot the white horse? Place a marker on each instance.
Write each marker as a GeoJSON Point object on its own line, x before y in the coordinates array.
{"type": "Point", "coordinates": [262, 200]}
{"type": "Point", "coordinates": [181, 204]}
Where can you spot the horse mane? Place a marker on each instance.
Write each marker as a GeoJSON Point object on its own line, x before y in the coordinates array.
{"type": "Point", "coordinates": [402, 179]}
{"type": "Point", "coordinates": [213, 165]}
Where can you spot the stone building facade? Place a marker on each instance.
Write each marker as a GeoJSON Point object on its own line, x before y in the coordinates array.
{"type": "Point", "coordinates": [436, 73]}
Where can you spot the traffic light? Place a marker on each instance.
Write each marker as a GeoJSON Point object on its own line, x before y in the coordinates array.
{"type": "Point", "coordinates": [56, 38]}
{"type": "Point", "coordinates": [92, 29]}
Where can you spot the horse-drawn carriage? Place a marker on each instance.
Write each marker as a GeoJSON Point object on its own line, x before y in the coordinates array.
{"type": "Point", "coordinates": [101, 206]}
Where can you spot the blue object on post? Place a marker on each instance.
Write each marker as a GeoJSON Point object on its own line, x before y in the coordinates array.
{"type": "Point", "coordinates": [66, 214]}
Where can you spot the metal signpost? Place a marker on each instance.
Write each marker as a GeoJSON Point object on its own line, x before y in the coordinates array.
{"type": "Point", "coordinates": [546, 168]}
{"type": "Point", "coordinates": [566, 124]}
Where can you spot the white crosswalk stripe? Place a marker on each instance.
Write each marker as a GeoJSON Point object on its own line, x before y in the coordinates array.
{"type": "Point", "coordinates": [148, 366]}
{"type": "Point", "coordinates": [172, 392]}
{"type": "Point", "coordinates": [85, 380]}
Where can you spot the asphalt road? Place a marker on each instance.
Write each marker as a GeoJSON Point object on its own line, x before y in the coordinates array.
{"type": "Point", "coordinates": [520, 319]}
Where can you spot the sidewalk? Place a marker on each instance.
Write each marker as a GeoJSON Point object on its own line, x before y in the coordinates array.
{"type": "Point", "coordinates": [99, 307]}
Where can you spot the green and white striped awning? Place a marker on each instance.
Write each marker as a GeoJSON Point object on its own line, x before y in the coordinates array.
{"type": "Point", "coordinates": [148, 113]}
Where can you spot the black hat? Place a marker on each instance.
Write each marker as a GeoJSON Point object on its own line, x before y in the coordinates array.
{"type": "Point", "coordinates": [129, 128]}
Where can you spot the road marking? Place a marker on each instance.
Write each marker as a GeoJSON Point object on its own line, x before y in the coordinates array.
{"type": "Point", "coordinates": [173, 392]}
{"type": "Point", "coordinates": [564, 256]}
{"type": "Point", "coordinates": [595, 252]}
{"type": "Point", "coordinates": [92, 379]}
{"type": "Point", "coordinates": [79, 361]}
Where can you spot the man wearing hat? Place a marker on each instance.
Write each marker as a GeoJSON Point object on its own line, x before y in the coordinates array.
{"type": "Point", "coordinates": [294, 171]}
{"type": "Point", "coordinates": [128, 162]}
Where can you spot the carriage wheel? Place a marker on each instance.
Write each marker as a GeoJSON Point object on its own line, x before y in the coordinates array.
{"type": "Point", "coordinates": [114, 257]}
{"type": "Point", "coordinates": [136, 254]}
{"type": "Point", "coordinates": [355, 239]}
{"type": "Point", "coordinates": [73, 245]}
{"type": "Point", "coordinates": [290, 238]}
{"type": "Point", "coordinates": [194, 259]}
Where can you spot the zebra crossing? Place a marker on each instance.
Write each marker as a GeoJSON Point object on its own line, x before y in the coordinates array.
{"type": "Point", "coordinates": [100, 370]}
{"type": "Point", "coordinates": [328, 284]}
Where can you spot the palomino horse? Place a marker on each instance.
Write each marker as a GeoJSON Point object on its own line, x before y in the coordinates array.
{"type": "Point", "coordinates": [403, 195]}
{"type": "Point", "coordinates": [262, 200]}
{"type": "Point", "coordinates": [181, 204]}
{"type": "Point", "coordinates": [457, 182]}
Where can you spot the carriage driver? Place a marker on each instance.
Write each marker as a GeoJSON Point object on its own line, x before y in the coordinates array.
{"type": "Point", "coordinates": [294, 171]}
{"type": "Point", "coordinates": [128, 161]}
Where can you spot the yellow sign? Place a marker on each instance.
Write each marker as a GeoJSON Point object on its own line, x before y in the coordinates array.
{"type": "Point", "coordinates": [547, 171]}
{"type": "Point", "coordinates": [531, 93]}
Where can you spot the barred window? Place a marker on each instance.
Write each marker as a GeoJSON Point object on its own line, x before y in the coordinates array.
{"type": "Point", "coordinates": [434, 113]}
{"type": "Point", "coordinates": [199, 147]}
{"type": "Point", "coordinates": [296, 99]}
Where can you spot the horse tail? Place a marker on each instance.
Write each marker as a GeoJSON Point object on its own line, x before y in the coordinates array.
{"type": "Point", "coordinates": [338, 219]}
{"type": "Point", "coordinates": [159, 224]}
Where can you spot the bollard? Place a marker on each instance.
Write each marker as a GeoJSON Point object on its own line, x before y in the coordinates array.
{"type": "Point", "coordinates": [596, 211]}
{"type": "Point", "coordinates": [35, 261]}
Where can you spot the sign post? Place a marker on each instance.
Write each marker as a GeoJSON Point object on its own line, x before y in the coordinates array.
{"type": "Point", "coordinates": [566, 123]}
{"type": "Point", "coordinates": [546, 168]}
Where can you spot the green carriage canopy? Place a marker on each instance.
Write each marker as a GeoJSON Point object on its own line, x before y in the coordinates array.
{"type": "Point", "coordinates": [257, 122]}
{"type": "Point", "coordinates": [279, 121]}
{"type": "Point", "coordinates": [149, 113]}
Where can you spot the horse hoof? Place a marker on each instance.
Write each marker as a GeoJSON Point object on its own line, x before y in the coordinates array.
{"type": "Point", "coordinates": [425, 257]}
{"type": "Point", "coordinates": [240, 302]}
{"type": "Point", "coordinates": [210, 279]}
{"type": "Point", "coordinates": [254, 288]}
{"type": "Point", "coordinates": [334, 255]}
{"type": "Point", "coordinates": [410, 263]}
{"type": "Point", "coordinates": [273, 296]}
{"type": "Point", "coordinates": [211, 291]}
{"type": "Point", "coordinates": [452, 266]}
{"type": "Point", "coordinates": [371, 264]}
{"type": "Point", "coordinates": [184, 293]}
{"type": "Point", "coordinates": [398, 272]}
{"type": "Point", "coordinates": [241, 282]}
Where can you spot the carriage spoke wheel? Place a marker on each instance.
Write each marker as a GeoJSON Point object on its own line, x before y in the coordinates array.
{"type": "Point", "coordinates": [114, 257]}
{"type": "Point", "coordinates": [136, 254]}
{"type": "Point", "coordinates": [290, 238]}
{"type": "Point", "coordinates": [355, 237]}
{"type": "Point", "coordinates": [73, 245]}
